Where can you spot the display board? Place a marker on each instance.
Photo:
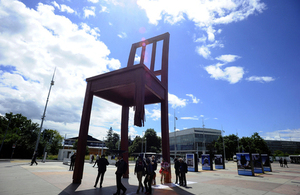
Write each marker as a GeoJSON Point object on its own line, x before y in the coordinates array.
{"type": "Point", "coordinates": [192, 162]}
{"type": "Point", "coordinates": [265, 159]}
{"type": "Point", "coordinates": [206, 162]}
{"type": "Point", "coordinates": [219, 161]}
{"type": "Point", "coordinates": [257, 164]}
{"type": "Point", "coordinates": [244, 164]}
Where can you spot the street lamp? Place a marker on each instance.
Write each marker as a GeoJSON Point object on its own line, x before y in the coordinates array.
{"type": "Point", "coordinates": [223, 144]}
{"type": "Point", "coordinates": [203, 136]}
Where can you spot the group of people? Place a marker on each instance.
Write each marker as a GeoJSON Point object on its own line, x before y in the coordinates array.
{"type": "Point", "coordinates": [180, 170]}
{"type": "Point", "coordinates": [143, 168]}
{"type": "Point", "coordinates": [283, 163]}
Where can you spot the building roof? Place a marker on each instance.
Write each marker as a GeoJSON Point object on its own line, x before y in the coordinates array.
{"type": "Point", "coordinates": [89, 139]}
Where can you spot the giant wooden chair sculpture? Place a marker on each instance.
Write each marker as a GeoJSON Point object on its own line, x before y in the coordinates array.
{"type": "Point", "coordinates": [135, 85]}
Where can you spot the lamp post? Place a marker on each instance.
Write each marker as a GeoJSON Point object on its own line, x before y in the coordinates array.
{"type": "Point", "coordinates": [175, 143]}
{"type": "Point", "coordinates": [203, 136]}
{"type": "Point", "coordinates": [223, 144]}
{"type": "Point", "coordinates": [238, 141]}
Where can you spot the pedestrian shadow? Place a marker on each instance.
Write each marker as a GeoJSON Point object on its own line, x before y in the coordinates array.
{"type": "Point", "coordinates": [131, 189]}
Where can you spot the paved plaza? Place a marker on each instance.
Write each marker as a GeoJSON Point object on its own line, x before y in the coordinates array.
{"type": "Point", "coordinates": [18, 178]}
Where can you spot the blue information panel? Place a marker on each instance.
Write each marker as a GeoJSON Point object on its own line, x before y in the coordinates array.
{"type": "Point", "coordinates": [244, 164]}
{"type": "Point", "coordinates": [190, 162]}
{"type": "Point", "coordinates": [265, 159]}
{"type": "Point", "coordinates": [219, 161]}
{"type": "Point", "coordinates": [205, 162]}
{"type": "Point", "coordinates": [257, 165]}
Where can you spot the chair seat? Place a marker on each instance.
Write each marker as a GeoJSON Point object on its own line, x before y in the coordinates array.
{"type": "Point", "coordinates": [123, 86]}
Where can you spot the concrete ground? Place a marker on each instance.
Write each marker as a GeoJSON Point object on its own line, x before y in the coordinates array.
{"type": "Point", "coordinates": [17, 177]}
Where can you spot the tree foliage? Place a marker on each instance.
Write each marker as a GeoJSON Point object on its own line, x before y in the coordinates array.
{"type": "Point", "coordinates": [112, 139]}
{"type": "Point", "coordinates": [51, 140]}
{"type": "Point", "coordinates": [23, 133]}
{"type": "Point", "coordinates": [254, 144]}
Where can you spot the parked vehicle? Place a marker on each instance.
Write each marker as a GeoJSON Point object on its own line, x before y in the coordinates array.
{"type": "Point", "coordinates": [234, 158]}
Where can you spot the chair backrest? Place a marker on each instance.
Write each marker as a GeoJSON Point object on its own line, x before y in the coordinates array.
{"type": "Point", "coordinates": [163, 72]}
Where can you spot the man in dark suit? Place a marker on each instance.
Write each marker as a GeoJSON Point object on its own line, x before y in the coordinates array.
{"type": "Point", "coordinates": [121, 169]}
{"type": "Point", "coordinates": [102, 163]}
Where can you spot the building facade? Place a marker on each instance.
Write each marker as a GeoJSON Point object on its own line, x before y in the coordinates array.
{"type": "Point", "coordinates": [95, 146]}
{"type": "Point", "coordinates": [290, 147]}
{"type": "Point", "coordinates": [193, 140]}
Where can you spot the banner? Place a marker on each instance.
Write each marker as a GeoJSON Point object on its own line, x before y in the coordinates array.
{"type": "Point", "coordinates": [205, 162]}
{"type": "Point", "coordinates": [265, 159]}
{"type": "Point", "coordinates": [190, 162]}
{"type": "Point", "coordinates": [257, 165]}
{"type": "Point", "coordinates": [244, 164]}
{"type": "Point", "coordinates": [219, 161]}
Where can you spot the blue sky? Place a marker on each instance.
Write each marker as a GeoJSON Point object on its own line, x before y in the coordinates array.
{"type": "Point", "coordinates": [232, 64]}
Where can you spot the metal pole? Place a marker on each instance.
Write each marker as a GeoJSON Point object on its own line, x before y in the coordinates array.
{"type": "Point", "coordinates": [43, 117]}
{"type": "Point", "coordinates": [102, 146]}
{"type": "Point", "coordinates": [223, 145]}
{"type": "Point", "coordinates": [142, 142]}
{"type": "Point", "coordinates": [238, 141]}
{"type": "Point", "coordinates": [203, 141]}
{"type": "Point", "coordinates": [175, 142]}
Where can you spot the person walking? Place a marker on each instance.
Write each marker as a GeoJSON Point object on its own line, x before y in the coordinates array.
{"type": "Point", "coordinates": [139, 170]}
{"type": "Point", "coordinates": [154, 165]}
{"type": "Point", "coordinates": [149, 176]}
{"type": "Point", "coordinates": [285, 163]}
{"type": "Point", "coordinates": [121, 169]}
{"type": "Point", "coordinates": [33, 160]}
{"type": "Point", "coordinates": [92, 158]}
{"type": "Point", "coordinates": [280, 162]}
{"type": "Point", "coordinates": [164, 170]}
{"type": "Point", "coordinates": [102, 163]}
{"type": "Point", "coordinates": [183, 171]}
{"type": "Point", "coordinates": [177, 170]}
{"type": "Point", "coordinates": [97, 159]}
{"type": "Point", "coordinates": [73, 158]}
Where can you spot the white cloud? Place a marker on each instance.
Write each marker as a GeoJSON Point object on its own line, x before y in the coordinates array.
{"type": "Point", "coordinates": [189, 118]}
{"type": "Point", "coordinates": [263, 79]}
{"type": "Point", "coordinates": [93, 1]}
{"type": "Point", "coordinates": [195, 100]}
{"type": "Point", "coordinates": [227, 58]}
{"type": "Point", "coordinates": [231, 74]}
{"type": "Point", "coordinates": [89, 11]}
{"type": "Point", "coordinates": [65, 8]}
{"type": "Point", "coordinates": [137, 58]}
{"type": "Point", "coordinates": [203, 51]}
{"type": "Point", "coordinates": [34, 42]}
{"type": "Point", "coordinates": [122, 35]}
{"type": "Point", "coordinates": [200, 39]}
{"type": "Point", "coordinates": [204, 13]}
{"type": "Point", "coordinates": [285, 135]}
{"type": "Point", "coordinates": [176, 102]}
{"type": "Point", "coordinates": [55, 4]}
{"type": "Point", "coordinates": [156, 114]}
{"type": "Point", "coordinates": [104, 9]}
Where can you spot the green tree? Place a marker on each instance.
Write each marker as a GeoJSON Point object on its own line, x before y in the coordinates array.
{"type": "Point", "coordinates": [112, 139]}
{"type": "Point", "coordinates": [136, 145]}
{"type": "Point", "coordinates": [153, 142]}
{"type": "Point", "coordinates": [254, 144]}
{"type": "Point", "coordinates": [22, 132]}
{"type": "Point", "coordinates": [52, 140]}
